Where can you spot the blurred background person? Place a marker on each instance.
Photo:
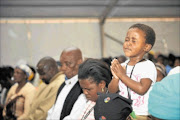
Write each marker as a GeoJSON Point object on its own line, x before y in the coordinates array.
{"type": "Point", "coordinates": [19, 97]}
{"type": "Point", "coordinates": [121, 58]}
{"type": "Point", "coordinates": [6, 73]}
{"type": "Point", "coordinates": [160, 59]}
{"type": "Point", "coordinates": [46, 92]}
{"type": "Point", "coordinates": [177, 62]}
{"type": "Point", "coordinates": [161, 71]}
{"type": "Point", "coordinates": [170, 64]}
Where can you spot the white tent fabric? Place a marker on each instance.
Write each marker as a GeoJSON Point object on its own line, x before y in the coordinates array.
{"type": "Point", "coordinates": [32, 29]}
{"type": "Point", "coordinates": [33, 39]}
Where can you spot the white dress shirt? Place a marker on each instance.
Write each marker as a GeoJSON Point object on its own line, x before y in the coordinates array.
{"type": "Point", "coordinates": [78, 108]}
{"type": "Point", "coordinates": [54, 112]}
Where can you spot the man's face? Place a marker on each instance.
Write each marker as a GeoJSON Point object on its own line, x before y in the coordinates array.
{"type": "Point", "coordinates": [45, 73]}
{"type": "Point", "coordinates": [69, 64]}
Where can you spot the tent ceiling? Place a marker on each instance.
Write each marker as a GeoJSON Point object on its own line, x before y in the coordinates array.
{"type": "Point", "coordinates": [89, 8]}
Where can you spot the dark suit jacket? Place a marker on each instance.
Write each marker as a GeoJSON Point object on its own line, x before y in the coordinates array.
{"type": "Point", "coordinates": [70, 99]}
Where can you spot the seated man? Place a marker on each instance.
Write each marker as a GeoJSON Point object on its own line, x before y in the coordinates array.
{"type": "Point", "coordinates": [70, 90]}
{"type": "Point", "coordinates": [46, 93]}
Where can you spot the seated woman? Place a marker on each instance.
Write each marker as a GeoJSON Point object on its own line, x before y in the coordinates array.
{"type": "Point", "coordinates": [20, 95]}
{"type": "Point", "coordinates": [94, 76]}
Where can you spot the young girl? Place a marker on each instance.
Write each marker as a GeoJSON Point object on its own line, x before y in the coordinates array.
{"type": "Point", "coordinates": [134, 78]}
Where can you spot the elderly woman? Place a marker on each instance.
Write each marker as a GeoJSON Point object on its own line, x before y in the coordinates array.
{"type": "Point", "coordinates": [20, 94]}
{"type": "Point", "coordinates": [94, 77]}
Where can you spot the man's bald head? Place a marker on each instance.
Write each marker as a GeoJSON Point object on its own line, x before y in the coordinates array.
{"type": "Point", "coordinates": [70, 60]}
{"type": "Point", "coordinates": [47, 62]}
{"type": "Point", "coordinates": [74, 52]}
{"type": "Point", "coordinates": [47, 68]}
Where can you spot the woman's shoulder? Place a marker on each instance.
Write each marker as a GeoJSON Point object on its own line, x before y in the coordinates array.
{"type": "Point", "coordinates": [12, 91]}
{"type": "Point", "coordinates": [13, 88]}
{"type": "Point", "coordinates": [30, 85]}
{"type": "Point", "coordinates": [28, 88]}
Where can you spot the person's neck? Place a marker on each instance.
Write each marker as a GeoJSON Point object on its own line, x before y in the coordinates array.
{"type": "Point", "coordinates": [20, 85]}
{"type": "Point", "coordinates": [134, 60]}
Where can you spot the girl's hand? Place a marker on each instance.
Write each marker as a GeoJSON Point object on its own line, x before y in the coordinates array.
{"type": "Point", "coordinates": [114, 75]}
{"type": "Point", "coordinates": [117, 70]}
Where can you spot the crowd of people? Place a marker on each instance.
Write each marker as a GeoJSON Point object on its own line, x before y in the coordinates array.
{"type": "Point", "coordinates": [126, 87]}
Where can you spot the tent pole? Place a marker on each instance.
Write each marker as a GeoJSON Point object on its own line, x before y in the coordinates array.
{"type": "Point", "coordinates": [102, 20]}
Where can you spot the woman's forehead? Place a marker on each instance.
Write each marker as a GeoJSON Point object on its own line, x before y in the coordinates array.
{"type": "Point", "coordinates": [18, 69]}
{"type": "Point", "coordinates": [87, 81]}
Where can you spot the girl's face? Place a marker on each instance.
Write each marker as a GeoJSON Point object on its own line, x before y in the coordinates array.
{"type": "Point", "coordinates": [134, 43]}
{"type": "Point", "coordinates": [90, 89]}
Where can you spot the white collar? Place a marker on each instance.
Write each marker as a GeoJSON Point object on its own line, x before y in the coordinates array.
{"type": "Point", "coordinates": [72, 80]}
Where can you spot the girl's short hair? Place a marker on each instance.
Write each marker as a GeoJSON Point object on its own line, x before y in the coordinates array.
{"type": "Point", "coordinates": [149, 32]}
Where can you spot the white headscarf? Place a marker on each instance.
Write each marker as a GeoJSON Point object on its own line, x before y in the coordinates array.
{"type": "Point", "coordinates": [26, 69]}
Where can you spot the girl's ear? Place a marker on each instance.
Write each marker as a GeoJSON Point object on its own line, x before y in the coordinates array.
{"type": "Point", "coordinates": [147, 47]}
